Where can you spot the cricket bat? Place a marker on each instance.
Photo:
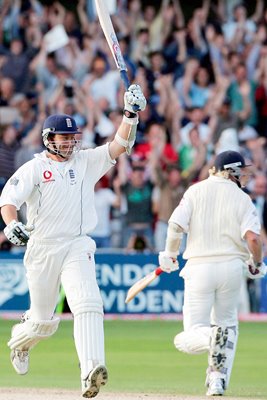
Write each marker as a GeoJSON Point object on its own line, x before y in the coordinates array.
{"type": "Point", "coordinates": [142, 284]}
{"type": "Point", "coordinates": [111, 38]}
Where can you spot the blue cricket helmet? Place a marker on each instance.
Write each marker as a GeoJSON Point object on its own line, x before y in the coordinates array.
{"type": "Point", "coordinates": [229, 160]}
{"type": "Point", "coordinates": [60, 124]}
{"type": "Point", "coordinates": [233, 162]}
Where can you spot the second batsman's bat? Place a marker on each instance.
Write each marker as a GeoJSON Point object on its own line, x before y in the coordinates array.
{"type": "Point", "coordinates": [142, 283]}
{"type": "Point", "coordinates": [107, 27]}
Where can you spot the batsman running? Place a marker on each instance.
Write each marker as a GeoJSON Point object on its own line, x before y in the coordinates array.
{"type": "Point", "coordinates": [223, 243]}
{"type": "Point", "coordinates": [58, 188]}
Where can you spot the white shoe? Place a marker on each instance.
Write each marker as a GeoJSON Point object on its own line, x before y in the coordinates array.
{"type": "Point", "coordinates": [215, 387]}
{"type": "Point", "coordinates": [20, 361]}
{"type": "Point", "coordinates": [217, 354]}
{"type": "Point", "coordinates": [97, 377]}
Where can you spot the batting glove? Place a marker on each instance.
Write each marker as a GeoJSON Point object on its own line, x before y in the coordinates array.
{"type": "Point", "coordinates": [134, 101]}
{"type": "Point", "coordinates": [255, 270]}
{"type": "Point", "coordinates": [168, 262]}
{"type": "Point", "coordinates": [17, 233]}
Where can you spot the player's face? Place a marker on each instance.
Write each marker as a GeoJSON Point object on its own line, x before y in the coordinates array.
{"type": "Point", "coordinates": [246, 174]}
{"type": "Point", "coordinates": [65, 144]}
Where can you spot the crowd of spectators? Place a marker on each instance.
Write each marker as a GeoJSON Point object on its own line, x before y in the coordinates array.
{"type": "Point", "coordinates": [204, 77]}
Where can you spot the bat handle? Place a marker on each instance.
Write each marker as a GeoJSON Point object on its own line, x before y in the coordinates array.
{"type": "Point", "coordinates": [125, 78]}
{"type": "Point", "coordinates": [126, 82]}
{"type": "Point", "coordinates": [158, 271]}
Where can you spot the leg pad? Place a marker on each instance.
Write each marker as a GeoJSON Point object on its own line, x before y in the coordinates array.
{"type": "Point", "coordinates": [27, 334]}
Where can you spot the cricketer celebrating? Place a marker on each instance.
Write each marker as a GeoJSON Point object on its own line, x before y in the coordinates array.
{"type": "Point", "coordinates": [223, 241]}
{"type": "Point", "coordinates": [58, 188]}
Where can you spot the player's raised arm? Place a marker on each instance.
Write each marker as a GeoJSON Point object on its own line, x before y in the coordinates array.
{"type": "Point", "coordinates": [134, 101]}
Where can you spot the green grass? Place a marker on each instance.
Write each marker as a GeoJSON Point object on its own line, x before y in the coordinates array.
{"type": "Point", "coordinates": [141, 358]}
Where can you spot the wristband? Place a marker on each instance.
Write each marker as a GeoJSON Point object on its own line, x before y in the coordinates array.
{"type": "Point", "coordinates": [130, 121]}
{"type": "Point", "coordinates": [129, 114]}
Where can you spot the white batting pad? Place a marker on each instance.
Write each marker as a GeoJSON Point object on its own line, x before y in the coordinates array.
{"type": "Point", "coordinates": [193, 341]}
{"type": "Point", "coordinates": [230, 349]}
{"type": "Point", "coordinates": [89, 341]}
{"type": "Point", "coordinates": [230, 352]}
{"type": "Point", "coordinates": [27, 334]}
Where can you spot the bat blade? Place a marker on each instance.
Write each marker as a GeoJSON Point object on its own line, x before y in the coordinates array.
{"type": "Point", "coordinates": [138, 286]}
{"type": "Point", "coordinates": [110, 35]}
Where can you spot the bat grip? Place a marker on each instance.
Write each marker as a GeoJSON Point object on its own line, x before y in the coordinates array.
{"type": "Point", "coordinates": [125, 78]}
{"type": "Point", "coordinates": [158, 271]}
{"type": "Point", "coordinates": [126, 82]}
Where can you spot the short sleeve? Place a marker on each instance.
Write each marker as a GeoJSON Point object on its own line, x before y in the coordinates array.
{"type": "Point", "coordinates": [250, 221]}
{"type": "Point", "coordinates": [182, 213]}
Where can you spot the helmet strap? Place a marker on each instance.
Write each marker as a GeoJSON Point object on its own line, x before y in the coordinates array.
{"type": "Point", "coordinates": [55, 153]}
{"type": "Point", "coordinates": [236, 180]}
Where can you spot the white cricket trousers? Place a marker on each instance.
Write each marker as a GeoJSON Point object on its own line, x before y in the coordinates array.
{"type": "Point", "coordinates": [211, 297]}
{"type": "Point", "coordinates": [211, 293]}
{"type": "Point", "coordinates": [70, 263]}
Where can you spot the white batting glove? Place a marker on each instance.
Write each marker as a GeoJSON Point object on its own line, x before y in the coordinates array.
{"type": "Point", "coordinates": [134, 100]}
{"type": "Point", "coordinates": [255, 271]}
{"type": "Point", "coordinates": [168, 262]}
{"type": "Point", "coordinates": [17, 233]}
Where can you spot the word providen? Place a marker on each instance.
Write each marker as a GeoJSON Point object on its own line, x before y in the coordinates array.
{"type": "Point", "coordinates": [148, 301]}
{"type": "Point", "coordinates": [164, 295]}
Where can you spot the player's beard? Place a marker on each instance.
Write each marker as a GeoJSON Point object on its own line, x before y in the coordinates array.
{"type": "Point", "coordinates": [65, 148]}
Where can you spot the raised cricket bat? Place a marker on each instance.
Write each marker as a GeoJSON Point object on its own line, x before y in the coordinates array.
{"type": "Point", "coordinates": [142, 283]}
{"type": "Point", "coordinates": [110, 35]}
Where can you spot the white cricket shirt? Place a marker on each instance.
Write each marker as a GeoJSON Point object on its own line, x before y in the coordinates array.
{"type": "Point", "coordinates": [59, 196]}
{"type": "Point", "coordinates": [216, 214]}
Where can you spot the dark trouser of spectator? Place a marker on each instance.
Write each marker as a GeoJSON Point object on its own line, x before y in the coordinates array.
{"type": "Point", "coordinates": [137, 230]}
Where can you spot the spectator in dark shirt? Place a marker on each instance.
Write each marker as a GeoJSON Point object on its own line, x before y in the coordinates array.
{"type": "Point", "coordinates": [7, 91]}
{"type": "Point", "coordinates": [16, 66]}
{"type": "Point", "coordinates": [136, 190]}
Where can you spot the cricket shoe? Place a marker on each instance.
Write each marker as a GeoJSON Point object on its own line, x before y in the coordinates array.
{"type": "Point", "coordinates": [20, 361]}
{"type": "Point", "coordinates": [216, 387]}
{"type": "Point", "coordinates": [217, 354]}
{"type": "Point", "coordinates": [91, 385]}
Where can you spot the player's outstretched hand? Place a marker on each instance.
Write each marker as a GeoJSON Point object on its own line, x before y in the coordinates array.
{"type": "Point", "coordinates": [17, 233]}
{"type": "Point", "coordinates": [168, 263]}
{"type": "Point", "coordinates": [255, 271]}
{"type": "Point", "coordinates": [134, 99]}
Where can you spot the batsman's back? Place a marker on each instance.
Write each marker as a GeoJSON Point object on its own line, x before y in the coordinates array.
{"type": "Point", "coordinates": [218, 220]}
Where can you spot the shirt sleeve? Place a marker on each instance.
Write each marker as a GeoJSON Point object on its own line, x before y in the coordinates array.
{"type": "Point", "coordinates": [98, 161]}
{"type": "Point", "coordinates": [182, 213]}
{"type": "Point", "coordinates": [19, 187]}
{"type": "Point", "coordinates": [250, 221]}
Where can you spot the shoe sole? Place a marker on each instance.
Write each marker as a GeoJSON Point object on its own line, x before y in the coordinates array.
{"type": "Point", "coordinates": [12, 357]}
{"type": "Point", "coordinates": [219, 391]}
{"type": "Point", "coordinates": [218, 357]}
{"type": "Point", "coordinates": [214, 394]}
{"type": "Point", "coordinates": [98, 378]}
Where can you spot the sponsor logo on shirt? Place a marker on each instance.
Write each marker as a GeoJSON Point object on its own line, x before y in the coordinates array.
{"type": "Point", "coordinates": [48, 176]}
{"type": "Point", "coordinates": [72, 177]}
